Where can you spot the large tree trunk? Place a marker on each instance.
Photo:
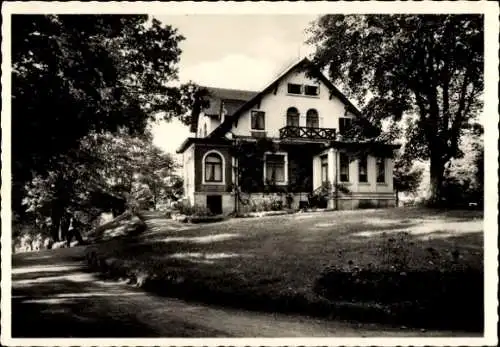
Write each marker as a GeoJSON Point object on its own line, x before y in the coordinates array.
{"type": "Point", "coordinates": [65, 223]}
{"type": "Point", "coordinates": [56, 216]}
{"type": "Point", "coordinates": [436, 180]}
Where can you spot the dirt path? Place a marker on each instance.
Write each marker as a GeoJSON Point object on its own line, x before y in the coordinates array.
{"type": "Point", "coordinates": [55, 296]}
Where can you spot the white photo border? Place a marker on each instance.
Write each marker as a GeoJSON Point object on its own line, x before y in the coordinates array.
{"type": "Point", "coordinates": [490, 11]}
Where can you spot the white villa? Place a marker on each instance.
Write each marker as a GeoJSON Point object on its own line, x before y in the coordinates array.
{"type": "Point", "coordinates": [305, 117]}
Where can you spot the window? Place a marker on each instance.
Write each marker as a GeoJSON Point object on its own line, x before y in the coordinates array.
{"type": "Point", "coordinates": [294, 88]}
{"type": "Point", "coordinates": [344, 124]}
{"type": "Point", "coordinates": [258, 120]}
{"type": "Point", "coordinates": [311, 90]}
{"type": "Point", "coordinates": [344, 168]}
{"type": "Point", "coordinates": [205, 130]}
{"type": "Point", "coordinates": [312, 119]}
{"type": "Point", "coordinates": [275, 168]}
{"type": "Point", "coordinates": [363, 169]}
{"type": "Point", "coordinates": [380, 170]}
{"type": "Point", "coordinates": [213, 168]}
{"type": "Point", "coordinates": [324, 168]}
{"type": "Point", "coordinates": [292, 117]}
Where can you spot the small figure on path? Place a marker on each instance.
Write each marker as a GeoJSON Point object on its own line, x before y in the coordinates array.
{"type": "Point", "coordinates": [73, 230]}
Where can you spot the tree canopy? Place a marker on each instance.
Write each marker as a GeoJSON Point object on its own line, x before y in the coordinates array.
{"type": "Point", "coordinates": [107, 172]}
{"type": "Point", "coordinates": [429, 67]}
{"type": "Point", "coordinates": [75, 74]}
{"type": "Point", "coordinates": [84, 88]}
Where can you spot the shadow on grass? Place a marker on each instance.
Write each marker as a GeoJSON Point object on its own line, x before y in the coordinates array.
{"type": "Point", "coordinates": [434, 283]}
{"type": "Point", "coordinates": [278, 267]}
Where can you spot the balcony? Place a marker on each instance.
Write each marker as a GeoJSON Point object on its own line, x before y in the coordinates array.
{"type": "Point", "coordinates": [295, 132]}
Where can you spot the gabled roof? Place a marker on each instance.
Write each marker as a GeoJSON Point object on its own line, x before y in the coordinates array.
{"type": "Point", "coordinates": [203, 140]}
{"type": "Point", "coordinates": [302, 64]}
{"type": "Point", "coordinates": [216, 96]}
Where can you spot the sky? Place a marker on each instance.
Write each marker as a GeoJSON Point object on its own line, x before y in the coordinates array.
{"type": "Point", "coordinates": [232, 51]}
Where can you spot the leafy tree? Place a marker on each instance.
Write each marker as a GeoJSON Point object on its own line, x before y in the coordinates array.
{"type": "Point", "coordinates": [189, 99]}
{"type": "Point", "coordinates": [407, 177]}
{"type": "Point", "coordinates": [430, 66]}
{"type": "Point", "coordinates": [78, 74]}
{"type": "Point", "coordinates": [107, 172]}
{"type": "Point", "coordinates": [154, 176]}
{"type": "Point", "coordinates": [464, 177]}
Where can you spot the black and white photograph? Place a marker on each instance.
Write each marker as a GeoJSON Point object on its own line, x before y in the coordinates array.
{"type": "Point", "coordinates": [225, 174]}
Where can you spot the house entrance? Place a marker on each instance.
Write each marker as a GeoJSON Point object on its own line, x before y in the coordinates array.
{"type": "Point", "coordinates": [214, 204]}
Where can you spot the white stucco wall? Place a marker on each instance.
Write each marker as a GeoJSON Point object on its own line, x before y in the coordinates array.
{"type": "Point", "coordinates": [188, 166]}
{"type": "Point", "coordinates": [275, 107]}
{"type": "Point", "coordinates": [329, 111]}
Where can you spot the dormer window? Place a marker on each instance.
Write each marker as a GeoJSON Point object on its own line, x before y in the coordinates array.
{"type": "Point", "coordinates": [311, 90]}
{"type": "Point", "coordinates": [299, 89]}
{"type": "Point", "coordinates": [294, 88]}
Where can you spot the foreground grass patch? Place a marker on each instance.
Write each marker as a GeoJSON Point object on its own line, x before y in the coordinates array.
{"type": "Point", "coordinates": [305, 263]}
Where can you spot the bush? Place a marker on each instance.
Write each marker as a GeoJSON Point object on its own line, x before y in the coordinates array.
{"type": "Point", "coordinates": [276, 205]}
{"type": "Point", "coordinates": [202, 211]}
{"type": "Point", "coordinates": [436, 298]}
{"type": "Point", "coordinates": [318, 201]}
{"type": "Point", "coordinates": [447, 295]}
{"type": "Point", "coordinates": [194, 210]}
{"type": "Point", "coordinates": [267, 205]}
{"type": "Point", "coordinates": [319, 198]}
{"type": "Point", "coordinates": [261, 206]}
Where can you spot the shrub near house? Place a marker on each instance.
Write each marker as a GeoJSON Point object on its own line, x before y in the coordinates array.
{"type": "Point", "coordinates": [287, 141]}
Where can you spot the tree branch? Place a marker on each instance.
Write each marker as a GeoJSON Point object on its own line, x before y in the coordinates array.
{"type": "Point", "coordinates": [453, 132]}
{"type": "Point", "coordinates": [446, 97]}
{"type": "Point", "coordinates": [457, 123]}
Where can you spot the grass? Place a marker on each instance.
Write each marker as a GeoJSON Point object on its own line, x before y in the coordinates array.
{"type": "Point", "coordinates": [280, 262]}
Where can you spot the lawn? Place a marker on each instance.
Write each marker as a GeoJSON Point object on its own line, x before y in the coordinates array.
{"type": "Point", "coordinates": [305, 262]}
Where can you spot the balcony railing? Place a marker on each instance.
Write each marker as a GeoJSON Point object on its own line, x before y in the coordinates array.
{"type": "Point", "coordinates": [290, 131]}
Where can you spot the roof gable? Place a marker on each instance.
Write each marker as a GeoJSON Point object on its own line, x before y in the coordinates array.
{"type": "Point", "coordinates": [303, 64]}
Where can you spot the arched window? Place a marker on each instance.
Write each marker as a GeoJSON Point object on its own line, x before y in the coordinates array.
{"type": "Point", "coordinates": [312, 119]}
{"type": "Point", "coordinates": [292, 117]}
{"type": "Point", "coordinates": [213, 164]}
